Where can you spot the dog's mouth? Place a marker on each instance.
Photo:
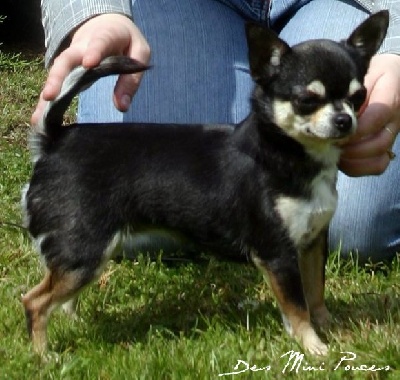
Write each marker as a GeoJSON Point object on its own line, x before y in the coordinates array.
{"type": "Point", "coordinates": [328, 134]}
{"type": "Point", "coordinates": [328, 124]}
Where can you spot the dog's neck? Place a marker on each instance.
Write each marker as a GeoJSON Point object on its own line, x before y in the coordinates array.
{"type": "Point", "coordinates": [272, 137]}
{"type": "Point", "coordinates": [294, 164]}
{"type": "Point", "coordinates": [327, 154]}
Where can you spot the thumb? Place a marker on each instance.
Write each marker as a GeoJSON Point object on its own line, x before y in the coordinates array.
{"type": "Point", "coordinates": [125, 89]}
{"type": "Point", "coordinates": [128, 84]}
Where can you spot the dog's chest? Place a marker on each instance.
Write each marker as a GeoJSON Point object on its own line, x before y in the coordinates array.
{"type": "Point", "coordinates": [304, 218]}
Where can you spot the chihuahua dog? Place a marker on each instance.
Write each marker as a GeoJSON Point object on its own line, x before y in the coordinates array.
{"type": "Point", "coordinates": [263, 189]}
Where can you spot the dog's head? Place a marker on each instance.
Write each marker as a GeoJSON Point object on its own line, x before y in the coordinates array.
{"type": "Point", "coordinates": [314, 90]}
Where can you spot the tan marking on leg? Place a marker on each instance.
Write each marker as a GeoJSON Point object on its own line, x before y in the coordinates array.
{"type": "Point", "coordinates": [312, 268]}
{"type": "Point", "coordinates": [53, 290]}
{"type": "Point", "coordinates": [299, 325]}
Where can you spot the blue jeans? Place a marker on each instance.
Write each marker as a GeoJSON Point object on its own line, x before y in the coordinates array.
{"type": "Point", "coordinates": [201, 74]}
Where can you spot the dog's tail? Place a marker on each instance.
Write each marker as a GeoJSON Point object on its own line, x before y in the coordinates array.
{"type": "Point", "coordinates": [49, 126]}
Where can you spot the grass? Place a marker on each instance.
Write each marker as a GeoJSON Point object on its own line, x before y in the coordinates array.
{"type": "Point", "coordinates": [146, 320]}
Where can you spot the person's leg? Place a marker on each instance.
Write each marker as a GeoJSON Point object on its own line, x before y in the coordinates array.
{"type": "Point", "coordinates": [367, 221]}
{"type": "Point", "coordinates": [309, 19]}
{"type": "Point", "coordinates": [200, 70]}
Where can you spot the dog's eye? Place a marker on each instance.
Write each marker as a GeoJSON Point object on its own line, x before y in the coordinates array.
{"type": "Point", "coordinates": [307, 103]}
{"type": "Point", "coordinates": [358, 98]}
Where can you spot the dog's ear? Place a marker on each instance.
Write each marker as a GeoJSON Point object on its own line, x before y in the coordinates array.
{"type": "Point", "coordinates": [369, 35]}
{"type": "Point", "coordinates": [265, 51]}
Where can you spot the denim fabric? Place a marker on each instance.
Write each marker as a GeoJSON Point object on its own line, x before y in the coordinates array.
{"type": "Point", "coordinates": [316, 19]}
{"type": "Point", "coordinates": [256, 10]}
{"type": "Point", "coordinates": [60, 17]}
{"type": "Point", "coordinates": [367, 220]}
{"type": "Point", "coordinates": [200, 74]}
{"type": "Point", "coordinates": [200, 70]}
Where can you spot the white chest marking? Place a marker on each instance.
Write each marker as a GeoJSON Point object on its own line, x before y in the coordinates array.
{"type": "Point", "coordinates": [305, 218]}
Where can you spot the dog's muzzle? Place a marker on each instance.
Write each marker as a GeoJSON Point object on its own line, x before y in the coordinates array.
{"type": "Point", "coordinates": [343, 122]}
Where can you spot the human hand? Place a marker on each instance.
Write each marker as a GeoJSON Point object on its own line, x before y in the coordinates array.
{"type": "Point", "coordinates": [368, 151]}
{"type": "Point", "coordinates": [97, 38]}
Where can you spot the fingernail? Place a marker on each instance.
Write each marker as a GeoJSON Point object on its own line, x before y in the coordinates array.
{"type": "Point", "coordinates": [125, 101]}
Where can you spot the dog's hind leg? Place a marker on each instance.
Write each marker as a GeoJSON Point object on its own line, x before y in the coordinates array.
{"type": "Point", "coordinates": [55, 289]}
{"type": "Point", "coordinates": [284, 277]}
{"type": "Point", "coordinates": [312, 267]}
{"type": "Point", "coordinates": [68, 273]}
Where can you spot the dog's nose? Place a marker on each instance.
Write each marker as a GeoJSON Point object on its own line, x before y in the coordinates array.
{"type": "Point", "coordinates": [343, 122]}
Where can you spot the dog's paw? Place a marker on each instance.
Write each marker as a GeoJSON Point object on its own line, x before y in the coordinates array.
{"type": "Point", "coordinates": [313, 344]}
{"type": "Point", "coordinates": [317, 348]}
{"type": "Point", "coordinates": [49, 357]}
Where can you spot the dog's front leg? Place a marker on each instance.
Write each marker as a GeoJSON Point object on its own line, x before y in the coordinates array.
{"type": "Point", "coordinates": [312, 263]}
{"type": "Point", "coordinates": [284, 277]}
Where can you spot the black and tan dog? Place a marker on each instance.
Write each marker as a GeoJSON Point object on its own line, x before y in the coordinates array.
{"type": "Point", "coordinates": [264, 188]}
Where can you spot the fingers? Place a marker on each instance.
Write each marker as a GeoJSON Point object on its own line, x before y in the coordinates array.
{"type": "Point", "coordinates": [368, 166]}
{"type": "Point", "coordinates": [383, 96]}
{"type": "Point", "coordinates": [369, 156]}
{"type": "Point", "coordinates": [125, 89]}
{"type": "Point", "coordinates": [60, 69]}
{"type": "Point", "coordinates": [100, 37]}
{"type": "Point", "coordinates": [62, 66]}
{"type": "Point", "coordinates": [127, 85]}
{"type": "Point", "coordinates": [371, 146]}
{"type": "Point", "coordinates": [381, 111]}
{"type": "Point", "coordinates": [368, 152]}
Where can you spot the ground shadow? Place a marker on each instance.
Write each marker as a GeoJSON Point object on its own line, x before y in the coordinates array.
{"type": "Point", "coordinates": [180, 317]}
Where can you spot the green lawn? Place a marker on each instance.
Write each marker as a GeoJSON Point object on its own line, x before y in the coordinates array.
{"type": "Point", "coordinates": [146, 320]}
